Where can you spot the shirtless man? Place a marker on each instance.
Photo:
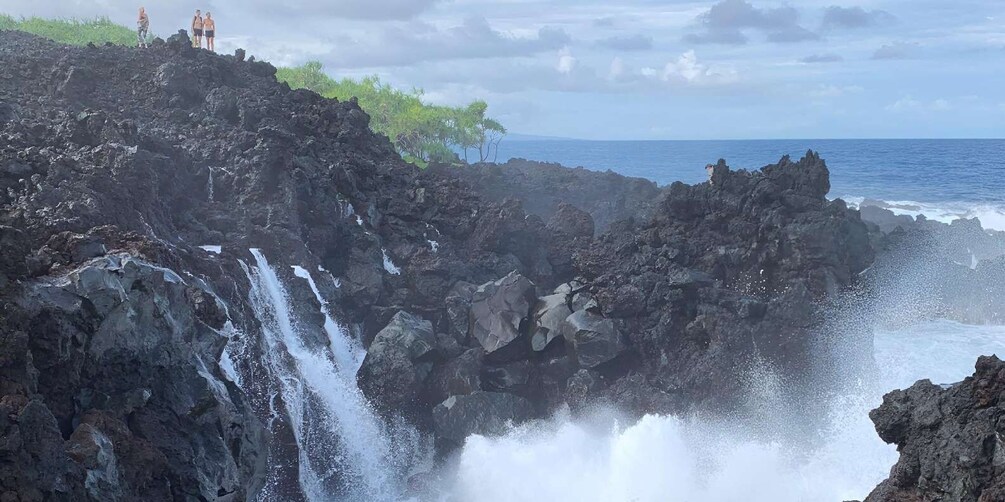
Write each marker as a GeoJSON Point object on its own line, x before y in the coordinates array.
{"type": "Point", "coordinates": [210, 31]}
{"type": "Point", "coordinates": [197, 29]}
{"type": "Point", "coordinates": [142, 28]}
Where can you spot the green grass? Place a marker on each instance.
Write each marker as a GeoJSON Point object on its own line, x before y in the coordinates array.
{"type": "Point", "coordinates": [72, 31]}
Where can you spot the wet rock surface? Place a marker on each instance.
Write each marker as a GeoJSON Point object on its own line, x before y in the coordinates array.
{"type": "Point", "coordinates": [949, 438]}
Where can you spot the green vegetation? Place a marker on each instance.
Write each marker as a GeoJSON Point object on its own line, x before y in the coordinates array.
{"type": "Point", "coordinates": [72, 31]}
{"type": "Point", "coordinates": [421, 132]}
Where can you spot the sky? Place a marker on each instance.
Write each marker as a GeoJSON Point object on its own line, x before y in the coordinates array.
{"type": "Point", "coordinates": [640, 69]}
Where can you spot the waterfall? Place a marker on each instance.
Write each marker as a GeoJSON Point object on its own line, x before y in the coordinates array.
{"type": "Point", "coordinates": [346, 349]}
{"type": "Point", "coordinates": [210, 187]}
{"type": "Point", "coordinates": [346, 451]}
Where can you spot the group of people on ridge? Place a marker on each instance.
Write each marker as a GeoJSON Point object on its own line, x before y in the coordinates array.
{"type": "Point", "coordinates": [201, 28]}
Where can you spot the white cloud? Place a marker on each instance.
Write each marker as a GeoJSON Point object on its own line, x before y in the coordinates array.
{"type": "Point", "coordinates": [834, 91]}
{"type": "Point", "coordinates": [688, 69]}
{"type": "Point", "coordinates": [566, 61]}
{"type": "Point", "coordinates": [617, 68]}
{"type": "Point", "coordinates": [896, 50]}
{"type": "Point", "coordinates": [909, 104]}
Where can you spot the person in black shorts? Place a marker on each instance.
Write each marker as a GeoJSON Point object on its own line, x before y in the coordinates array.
{"type": "Point", "coordinates": [197, 29]}
{"type": "Point", "coordinates": [210, 31]}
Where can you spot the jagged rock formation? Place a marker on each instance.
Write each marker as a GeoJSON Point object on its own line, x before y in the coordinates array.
{"type": "Point", "coordinates": [724, 275]}
{"type": "Point", "coordinates": [128, 208]}
{"type": "Point", "coordinates": [949, 439]}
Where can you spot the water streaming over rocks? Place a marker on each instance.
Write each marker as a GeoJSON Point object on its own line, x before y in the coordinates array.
{"type": "Point", "coordinates": [346, 451]}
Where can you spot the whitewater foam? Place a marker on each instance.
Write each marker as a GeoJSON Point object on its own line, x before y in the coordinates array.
{"type": "Point", "coordinates": [673, 459]}
{"type": "Point", "coordinates": [992, 217]}
{"type": "Point", "coordinates": [389, 265]}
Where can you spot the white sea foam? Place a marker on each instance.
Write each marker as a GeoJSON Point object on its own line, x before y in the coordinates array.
{"type": "Point", "coordinates": [389, 265]}
{"type": "Point", "coordinates": [212, 249]}
{"type": "Point", "coordinates": [992, 216]}
{"type": "Point", "coordinates": [674, 459]}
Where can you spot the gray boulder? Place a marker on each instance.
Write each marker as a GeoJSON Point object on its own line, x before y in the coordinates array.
{"type": "Point", "coordinates": [498, 309]}
{"type": "Point", "coordinates": [458, 304]}
{"type": "Point", "coordinates": [512, 377]}
{"type": "Point", "coordinates": [398, 361]}
{"type": "Point", "coordinates": [549, 313]}
{"type": "Point", "coordinates": [594, 339]}
{"type": "Point", "coordinates": [481, 412]}
{"type": "Point", "coordinates": [457, 377]}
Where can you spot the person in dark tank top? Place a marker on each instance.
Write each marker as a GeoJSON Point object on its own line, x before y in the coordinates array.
{"type": "Point", "coordinates": [197, 29]}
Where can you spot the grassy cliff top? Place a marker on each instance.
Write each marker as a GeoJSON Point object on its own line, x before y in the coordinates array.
{"type": "Point", "coordinates": [72, 31]}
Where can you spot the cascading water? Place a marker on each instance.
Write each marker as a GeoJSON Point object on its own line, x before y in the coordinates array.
{"type": "Point", "coordinates": [346, 452]}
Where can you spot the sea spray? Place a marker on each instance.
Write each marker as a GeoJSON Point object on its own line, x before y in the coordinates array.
{"type": "Point", "coordinates": [345, 450]}
{"type": "Point", "coordinates": [670, 459]}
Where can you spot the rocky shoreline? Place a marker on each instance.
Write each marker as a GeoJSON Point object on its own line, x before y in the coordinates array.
{"type": "Point", "coordinates": [134, 186]}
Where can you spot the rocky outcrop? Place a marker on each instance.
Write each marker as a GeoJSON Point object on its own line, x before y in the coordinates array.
{"type": "Point", "coordinates": [949, 438]}
{"type": "Point", "coordinates": [182, 160]}
{"type": "Point", "coordinates": [727, 275]}
{"type": "Point", "coordinates": [126, 354]}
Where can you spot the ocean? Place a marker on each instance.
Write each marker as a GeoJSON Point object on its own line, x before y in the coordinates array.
{"type": "Point", "coordinates": [943, 179]}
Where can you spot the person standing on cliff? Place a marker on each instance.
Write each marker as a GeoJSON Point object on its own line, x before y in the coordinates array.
{"type": "Point", "coordinates": [710, 169]}
{"type": "Point", "coordinates": [197, 29]}
{"type": "Point", "coordinates": [142, 28]}
{"type": "Point", "coordinates": [209, 27]}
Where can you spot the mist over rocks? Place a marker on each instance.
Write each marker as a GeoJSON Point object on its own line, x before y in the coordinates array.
{"type": "Point", "coordinates": [952, 270]}
{"type": "Point", "coordinates": [607, 196]}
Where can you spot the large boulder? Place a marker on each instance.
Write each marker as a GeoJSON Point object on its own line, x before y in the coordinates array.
{"type": "Point", "coordinates": [571, 221]}
{"type": "Point", "coordinates": [481, 412]}
{"type": "Point", "coordinates": [949, 439]}
{"type": "Point", "coordinates": [457, 377]}
{"type": "Point", "coordinates": [499, 311]}
{"type": "Point", "coordinates": [594, 339]}
{"type": "Point", "coordinates": [549, 313]}
{"type": "Point", "coordinates": [399, 361]}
